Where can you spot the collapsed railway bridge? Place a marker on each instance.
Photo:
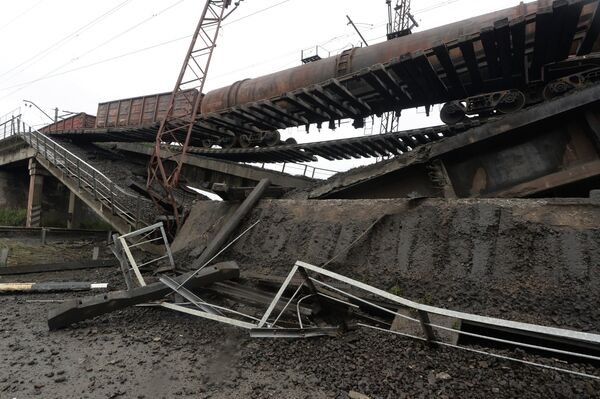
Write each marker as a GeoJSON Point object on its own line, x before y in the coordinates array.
{"type": "Point", "coordinates": [477, 235]}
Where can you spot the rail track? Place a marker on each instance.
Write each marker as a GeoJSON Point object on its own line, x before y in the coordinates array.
{"type": "Point", "coordinates": [51, 233]}
{"type": "Point", "coordinates": [380, 145]}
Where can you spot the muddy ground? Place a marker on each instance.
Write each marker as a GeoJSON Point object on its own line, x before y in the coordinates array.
{"type": "Point", "coordinates": [155, 353]}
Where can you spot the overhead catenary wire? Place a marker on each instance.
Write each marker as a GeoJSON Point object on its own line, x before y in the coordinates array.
{"type": "Point", "coordinates": [55, 73]}
{"type": "Point", "coordinates": [16, 18]}
{"type": "Point", "coordinates": [99, 62]}
{"type": "Point", "coordinates": [52, 74]}
{"type": "Point", "coordinates": [60, 43]}
{"type": "Point", "coordinates": [256, 12]}
{"type": "Point", "coordinates": [21, 86]}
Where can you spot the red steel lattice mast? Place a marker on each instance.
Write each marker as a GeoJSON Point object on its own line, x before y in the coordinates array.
{"type": "Point", "coordinates": [178, 123]}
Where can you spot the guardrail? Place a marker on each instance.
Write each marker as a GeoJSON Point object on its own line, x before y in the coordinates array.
{"type": "Point", "coordinates": [9, 116]}
{"type": "Point", "coordinates": [299, 169]}
{"type": "Point", "coordinates": [104, 190]}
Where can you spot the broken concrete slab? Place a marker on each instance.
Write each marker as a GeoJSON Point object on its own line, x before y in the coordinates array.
{"type": "Point", "coordinates": [231, 224]}
{"type": "Point", "coordinates": [81, 309]}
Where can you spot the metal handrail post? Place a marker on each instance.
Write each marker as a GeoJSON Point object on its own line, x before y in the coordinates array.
{"type": "Point", "coordinates": [95, 187]}
{"type": "Point", "coordinates": [112, 197]}
{"type": "Point", "coordinates": [78, 172]}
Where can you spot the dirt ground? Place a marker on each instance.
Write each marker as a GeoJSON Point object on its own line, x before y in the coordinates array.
{"type": "Point", "coordinates": [155, 353]}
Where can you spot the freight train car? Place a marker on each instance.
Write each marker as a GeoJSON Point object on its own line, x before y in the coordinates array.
{"type": "Point", "coordinates": [494, 63]}
{"type": "Point", "coordinates": [146, 110]}
{"type": "Point", "coordinates": [488, 65]}
{"type": "Point", "coordinates": [75, 122]}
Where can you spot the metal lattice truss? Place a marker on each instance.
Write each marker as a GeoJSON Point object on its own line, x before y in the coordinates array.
{"type": "Point", "coordinates": [177, 129]}
{"type": "Point", "coordinates": [401, 21]}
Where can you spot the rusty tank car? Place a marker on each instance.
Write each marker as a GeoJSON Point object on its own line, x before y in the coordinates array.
{"type": "Point", "coordinates": [485, 66]}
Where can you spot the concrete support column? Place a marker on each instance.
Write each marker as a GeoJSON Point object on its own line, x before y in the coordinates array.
{"type": "Point", "coordinates": [34, 199]}
{"type": "Point", "coordinates": [74, 212]}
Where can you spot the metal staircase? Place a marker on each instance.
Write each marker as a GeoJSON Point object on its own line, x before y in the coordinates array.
{"type": "Point", "coordinates": [122, 210]}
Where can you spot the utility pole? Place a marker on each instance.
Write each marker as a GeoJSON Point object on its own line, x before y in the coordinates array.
{"type": "Point", "coordinates": [357, 31]}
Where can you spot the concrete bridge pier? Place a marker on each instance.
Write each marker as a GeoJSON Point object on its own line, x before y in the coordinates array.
{"type": "Point", "coordinates": [34, 199]}
{"type": "Point", "coordinates": [75, 211]}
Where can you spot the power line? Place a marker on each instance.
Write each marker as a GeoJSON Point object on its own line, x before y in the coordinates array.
{"type": "Point", "coordinates": [256, 12]}
{"type": "Point", "coordinates": [97, 62]}
{"type": "Point", "coordinates": [52, 73]}
{"type": "Point", "coordinates": [47, 51]}
{"type": "Point", "coordinates": [435, 6]}
{"type": "Point", "coordinates": [21, 86]}
{"type": "Point", "coordinates": [20, 15]}
{"type": "Point", "coordinates": [123, 33]}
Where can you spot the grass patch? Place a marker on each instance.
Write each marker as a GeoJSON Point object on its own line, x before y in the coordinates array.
{"type": "Point", "coordinates": [395, 290]}
{"type": "Point", "coordinates": [13, 217]}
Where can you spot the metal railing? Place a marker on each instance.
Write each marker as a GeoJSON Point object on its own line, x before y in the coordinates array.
{"type": "Point", "coordinates": [122, 204]}
{"type": "Point", "coordinates": [299, 169]}
{"type": "Point", "coordinates": [9, 116]}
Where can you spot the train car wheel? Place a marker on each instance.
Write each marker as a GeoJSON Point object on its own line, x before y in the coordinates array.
{"type": "Point", "coordinates": [228, 142]}
{"type": "Point", "coordinates": [511, 102]}
{"type": "Point", "coordinates": [244, 141]}
{"type": "Point", "coordinates": [206, 143]}
{"type": "Point", "coordinates": [452, 113]}
{"type": "Point", "coordinates": [271, 139]}
{"type": "Point", "coordinates": [291, 141]}
{"type": "Point", "coordinates": [556, 89]}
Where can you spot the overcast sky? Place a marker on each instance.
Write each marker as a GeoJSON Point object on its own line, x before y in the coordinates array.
{"type": "Point", "coordinates": [73, 54]}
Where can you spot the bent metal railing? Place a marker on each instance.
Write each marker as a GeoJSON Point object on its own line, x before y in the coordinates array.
{"type": "Point", "coordinates": [111, 197]}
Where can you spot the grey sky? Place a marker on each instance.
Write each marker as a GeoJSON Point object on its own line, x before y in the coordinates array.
{"type": "Point", "coordinates": [65, 76]}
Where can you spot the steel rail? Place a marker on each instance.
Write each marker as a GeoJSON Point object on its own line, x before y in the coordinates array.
{"type": "Point", "coordinates": [480, 352]}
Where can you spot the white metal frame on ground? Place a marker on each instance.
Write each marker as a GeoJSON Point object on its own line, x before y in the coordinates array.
{"type": "Point", "coordinates": [143, 237]}
{"type": "Point", "coordinates": [267, 327]}
{"type": "Point", "coordinates": [424, 311]}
